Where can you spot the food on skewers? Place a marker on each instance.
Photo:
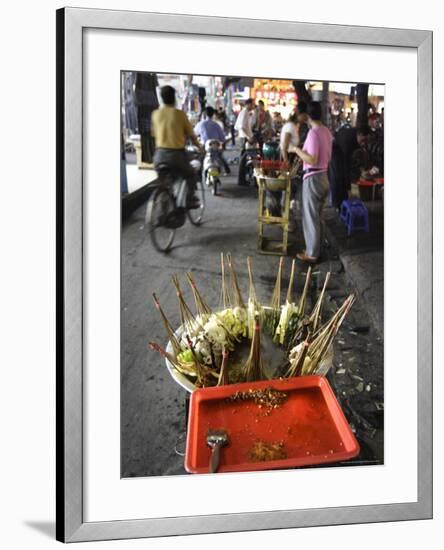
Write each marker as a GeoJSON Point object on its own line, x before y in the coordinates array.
{"type": "Point", "coordinates": [204, 348]}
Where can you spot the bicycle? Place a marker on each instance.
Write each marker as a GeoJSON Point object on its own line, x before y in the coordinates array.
{"type": "Point", "coordinates": [167, 209]}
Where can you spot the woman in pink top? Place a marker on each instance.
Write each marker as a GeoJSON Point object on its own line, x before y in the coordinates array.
{"type": "Point", "coordinates": [316, 156]}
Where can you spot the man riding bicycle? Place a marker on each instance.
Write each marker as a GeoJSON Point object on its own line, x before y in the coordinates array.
{"type": "Point", "coordinates": [170, 129]}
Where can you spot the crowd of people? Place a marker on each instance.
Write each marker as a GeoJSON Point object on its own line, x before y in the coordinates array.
{"type": "Point", "coordinates": [326, 163]}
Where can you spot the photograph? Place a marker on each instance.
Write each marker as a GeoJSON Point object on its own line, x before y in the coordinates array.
{"type": "Point", "coordinates": [252, 273]}
{"type": "Point", "coordinates": [222, 329]}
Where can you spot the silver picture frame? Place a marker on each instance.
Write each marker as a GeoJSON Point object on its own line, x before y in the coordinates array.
{"type": "Point", "coordinates": [71, 24]}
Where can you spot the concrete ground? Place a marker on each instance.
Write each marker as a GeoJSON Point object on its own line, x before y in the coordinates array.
{"type": "Point", "coordinates": [153, 405]}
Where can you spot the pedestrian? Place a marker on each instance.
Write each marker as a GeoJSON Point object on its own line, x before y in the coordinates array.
{"type": "Point", "coordinates": [219, 117]}
{"type": "Point", "coordinates": [244, 126]}
{"type": "Point", "coordinates": [375, 145]}
{"type": "Point", "coordinates": [289, 138]}
{"type": "Point", "coordinates": [277, 122]}
{"type": "Point", "coordinates": [171, 129]}
{"type": "Point", "coordinates": [263, 123]}
{"type": "Point", "coordinates": [316, 155]}
{"type": "Point", "coordinates": [302, 122]}
{"type": "Point", "coordinates": [349, 160]}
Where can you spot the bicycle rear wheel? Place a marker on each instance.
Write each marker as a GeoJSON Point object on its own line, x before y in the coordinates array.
{"type": "Point", "coordinates": [195, 215]}
{"type": "Point", "coordinates": [160, 204]}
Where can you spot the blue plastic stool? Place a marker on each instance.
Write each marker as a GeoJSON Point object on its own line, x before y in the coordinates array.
{"type": "Point", "coordinates": [355, 216]}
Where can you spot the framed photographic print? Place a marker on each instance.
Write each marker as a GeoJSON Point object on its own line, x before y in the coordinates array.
{"type": "Point", "coordinates": [235, 315]}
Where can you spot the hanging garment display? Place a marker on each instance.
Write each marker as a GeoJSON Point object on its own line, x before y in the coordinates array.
{"type": "Point", "coordinates": [130, 119]}
{"type": "Point", "coordinates": [191, 103]}
{"type": "Point", "coordinates": [147, 102]}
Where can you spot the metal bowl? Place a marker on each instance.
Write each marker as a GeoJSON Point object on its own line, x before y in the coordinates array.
{"type": "Point", "coordinates": [275, 184]}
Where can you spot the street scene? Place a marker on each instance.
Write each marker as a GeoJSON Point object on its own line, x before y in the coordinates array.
{"type": "Point", "coordinates": [252, 269]}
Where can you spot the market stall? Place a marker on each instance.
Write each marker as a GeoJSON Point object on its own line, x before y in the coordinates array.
{"type": "Point", "coordinates": [278, 95]}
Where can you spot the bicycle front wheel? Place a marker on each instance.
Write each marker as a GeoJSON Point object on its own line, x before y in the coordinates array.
{"type": "Point", "coordinates": [160, 204]}
{"type": "Point", "coordinates": [195, 215]}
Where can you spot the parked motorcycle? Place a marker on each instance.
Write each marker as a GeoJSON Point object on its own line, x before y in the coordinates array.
{"type": "Point", "coordinates": [254, 154]}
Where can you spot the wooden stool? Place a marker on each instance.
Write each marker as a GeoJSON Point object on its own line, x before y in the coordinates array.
{"type": "Point", "coordinates": [267, 245]}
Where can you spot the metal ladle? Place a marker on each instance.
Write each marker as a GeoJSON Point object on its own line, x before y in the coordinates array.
{"type": "Point", "coordinates": [216, 439]}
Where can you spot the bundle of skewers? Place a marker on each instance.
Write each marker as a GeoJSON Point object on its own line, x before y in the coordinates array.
{"type": "Point", "coordinates": [207, 339]}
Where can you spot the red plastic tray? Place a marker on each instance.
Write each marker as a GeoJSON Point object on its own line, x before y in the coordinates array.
{"type": "Point", "coordinates": [310, 423]}
{"type": "Point", "coordinates": [371, 183]}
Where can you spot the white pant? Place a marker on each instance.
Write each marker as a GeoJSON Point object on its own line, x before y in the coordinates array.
{"type": "Point", "coordinates": [315, 190]}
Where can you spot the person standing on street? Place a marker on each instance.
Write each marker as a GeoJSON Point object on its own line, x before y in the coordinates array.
{"type": "Point", "coordinates": [277, 122]}
{"type": "Point", "coordinates": [244, 126]}
{"type": "Point", "coordinates": [170, 129]}
{"type": "Point", "coordinates": [349, 160]}
{"type": "Point", "coordinates": [289, 138]}
{"type": "Point", "coordinates": [375, 145]}
{"type": "Point", "coordinates": [316, 156]}
{"type": "Point", "coordinates": [263, 123]}
{"type": "Point", "coordinates": [302, 121]}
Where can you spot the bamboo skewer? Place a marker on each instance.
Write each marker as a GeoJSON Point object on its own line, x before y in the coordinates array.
{"type": "Point", "coordinates": [315, 316]}
{"type": "Point", "coordinates": [235, 290]}
{"type": "Point", "coordinates": [317, 348]}
{"type": "Point", "coordinates": [253, 366]}
{"type": "Point", "coordinates": [302, 300]}
{"type": "Point", "coordinates": [252, 288]}
{"type": "Point", "coordinates": [276, 297]}
{"type": "Point", "coordinates": [202, 307]}
{"type": "Point", "coordinates": [329, 334]}
{"type": "Point", "coordinates": [340, 313]}
{"type": "Point", "coordinates": [165, 354]}
{"type": "Point", "coordinates": [169, 329]}
{"type": "Point", "coordinates": [199, 367]}
{"type": "Point", "coordinates": [275, 306]}
{"type": "Point", "coordinates": [290, 284]}
{"type": "Point", "coordinates": [223, 376]}
{"type": "Point", "coordinates": [297, 363]}
{"type": "Point", "coordinates": [225, 294]}
{"type": "Point", "coordinates": [254, 307]}
{"type": "Point", "coordinates": [187, 318]}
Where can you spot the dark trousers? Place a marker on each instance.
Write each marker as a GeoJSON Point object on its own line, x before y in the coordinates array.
{"type": "Point", "coordinates": [177, 161]}
{"type": "Point", "coordinates": [225, 163]}
{"type": "Point", "coordinates": [337, 175]}
{"type": "Point", "coordinates": [233, 135]}
{"type": "Point", "coordinates": [242, 162]}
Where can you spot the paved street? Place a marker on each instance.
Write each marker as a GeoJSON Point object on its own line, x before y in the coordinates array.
{"type": "Point", "coordinates": [153, 412]}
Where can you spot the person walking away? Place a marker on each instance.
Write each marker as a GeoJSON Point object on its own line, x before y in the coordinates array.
{"type": "Point", "coordinates": [316, 156]}
{"type": "Point", "coordinates": [209, 129]}
{"type": "Point", "coordinates": [170, 129]}
{"type": "Point", "coordinates": [244, 126]}
{"type": "Point", "coordinates": [349, 160]}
